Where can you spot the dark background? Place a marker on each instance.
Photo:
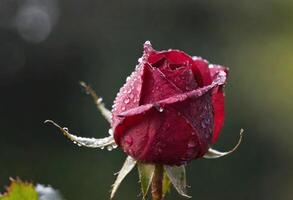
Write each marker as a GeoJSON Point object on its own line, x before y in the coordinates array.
{"type": "Point", "coordinates": [47, 46]}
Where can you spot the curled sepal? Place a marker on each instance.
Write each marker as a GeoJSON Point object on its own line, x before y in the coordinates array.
{"type": "Point", "coordinates": [128, 165]}
{"type": "Point", "coordinates": [177, 176]}
{"type": "Point", "coordinates": [166, 184]}
{"type": "Point", "coordinates": [98, 101]}
{"type": "Point", "coordinates": [146, 173]}
{"type": "Point", "coordinates": [87, 142]}
{"type": "Point", "coordinates": [212, 153]}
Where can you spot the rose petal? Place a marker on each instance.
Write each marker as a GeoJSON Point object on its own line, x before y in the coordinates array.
{"type": "Point", "coordinates": [129, 94]}
{"type": "Point", "coordinates": [218, 102]}
{"type": "Point", "coordinates": [143, 139]}
{"type": "Point", "coordinates": [201, 71]}
{"type": "Point", "coordinates": [173, 57]}
{"type": "Point", "coordinates": [155, 86]}
{"type": "Point", "coordinates": [183, 78]}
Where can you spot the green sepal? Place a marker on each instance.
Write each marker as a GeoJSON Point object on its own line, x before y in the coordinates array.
{"type": "Point", "coordinates": [177, 176]}
{"type": "Point", "coordinates": [146, 173]}
{"type": "Point", "coordinates": [128, 165]}
{"type": "Point", "coordinates": [166, 184]}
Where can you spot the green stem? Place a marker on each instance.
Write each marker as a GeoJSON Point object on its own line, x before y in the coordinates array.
{"type": "Point", "coordinates": [157, 183]}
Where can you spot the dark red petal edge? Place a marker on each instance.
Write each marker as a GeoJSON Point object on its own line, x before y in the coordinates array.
{"type": "Point", "coordinates": [218, 101]}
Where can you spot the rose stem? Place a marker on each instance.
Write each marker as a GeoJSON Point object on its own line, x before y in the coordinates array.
{"type": "Point", "coordinates": [157, 183]}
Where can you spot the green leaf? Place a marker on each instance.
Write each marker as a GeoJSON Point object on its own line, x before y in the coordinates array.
{"type": "Point", "coordinates": [128, 165]}
{"type": "Point", "coordinates": [146, 173]}
{"type": "Point", "coordinates": [166, 184]}
{"type": "Point", "coordinates": [177, 176]}
{"type": "Point", "coordinates": [19, 190]}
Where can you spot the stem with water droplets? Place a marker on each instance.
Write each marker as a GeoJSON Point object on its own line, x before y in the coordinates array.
{"type": "Point", "coordinates": [157, 183]}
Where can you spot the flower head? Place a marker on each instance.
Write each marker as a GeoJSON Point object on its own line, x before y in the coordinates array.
{"type": "Point", "coordinates": [169, 112]}
{"type": "Point", "coordinates": [171, 108]}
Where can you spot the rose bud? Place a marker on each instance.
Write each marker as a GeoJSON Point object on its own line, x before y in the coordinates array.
{"type": "Point", "coordinates": [171, 108]}
{"type": "Point", "coordinates": [169, 111]}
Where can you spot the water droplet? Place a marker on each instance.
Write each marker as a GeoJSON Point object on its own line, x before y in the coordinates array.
{"type": "Point", "coordinates": [114, 146]}
{"type": "Point", "coordinates": [191, 143]}
{"type": "Point", "coordinates": [190, 152]}
{"type": "Point", "coordinates": [109, 148]}
{"type": "Point", "coordinates": [207, 135]}
{"type": "Point", "coordinates": [160, 150]}
{"type": "Point", "coordinates": [123, 108]}
{"type": "Point", "coordinates": [102, 147]}
{"type": "Point", "coordinates": [99, 100]}
{"type": "Point", "coordinates": [78, 144]}
{"type": "Point", "coordinates": [110, 131]}
{"type": "Point", "coordinates": [137, 87]}
{"type": "Point", "coordinates": [65, 129]}
{"type": "Point", "coordinates": [130, 151]}
{"type": "Point", "coordinates": [161, 109]}
{"type": "Point", "coordinates": [128, 78]}
{"type": "Point", "coordinates": [128, 141]}
{"type": "Point", "coordinates": [139, 60]}
{"type": "Point", "coordinates": [126, 100]}
{"type": "Point", "coordinates": [203, 124]}
{"type": "Point", "coordinates": [129, 91]}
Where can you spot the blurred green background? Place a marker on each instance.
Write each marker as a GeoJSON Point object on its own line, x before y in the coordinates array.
{"type": "Point", "coordinates": [47, 46]}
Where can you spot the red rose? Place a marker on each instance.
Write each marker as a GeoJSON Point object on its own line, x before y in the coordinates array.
{"type": "Point", "coordinates": [171, 108]}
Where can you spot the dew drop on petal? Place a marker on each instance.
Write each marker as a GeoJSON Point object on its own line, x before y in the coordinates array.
{"type": "Point", "coordinates": [110, 148]}
{"type": "Point", "coordinates": [203, 124]}
{"type": "Point", "coordinates": [110, 131]}
{"type": "Point", "coordinates": [191, 143]}
{"type": "Point", "coordinates": [207, 136]}
{"type": "Point", "coordinates": [126, 100]}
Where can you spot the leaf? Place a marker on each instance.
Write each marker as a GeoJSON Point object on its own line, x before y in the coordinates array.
{"type": "Point", "coordinates": [128, 165]}
{"type": "Point", "coordinates": [19, 190]}
{"type": "Point", "coordinates": [177, 177]}
{"type": "Point", "coordinates": [166, 184]}
{"type": "Point", "coordinates": [146, 173]}
{"type": "Point", "coordinates": [212, 153]}
{"type": "Point", "coordinates": [87, 142]}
